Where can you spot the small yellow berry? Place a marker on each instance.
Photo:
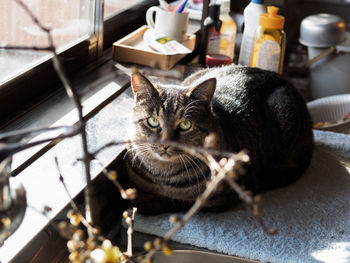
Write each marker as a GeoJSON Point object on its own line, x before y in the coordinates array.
{"type": "Point", "coordinates": [72, 245]}
{"type": "Point", "coordinates": [84, 256]}
{"type": "Point", "coordinates": [131, 193]}
{"type": "Point", "coordinates": [74, 256]}
{"type": "Point", "coordinates": [91, 243]}
{"type": "Point", "coordinates": [6, 221]}
{"type": "Point", "coordinates": [122, 257]}
{"type": "Point", "coordinates": [148, 246]}
{"type": "Point", "coordinates": [158, 243]}
{"type": "Point", "coordinates": [106, 244]}
{"type": "Point", "coordinates": [70, 213]}
{"type": "Point", "coordinates": [245, 158]}
{"type": "Point", "coordinates": [167, 250]}
{"type": "Point", "coordinates": [98, 255]}
{"type": "Point", "coordinates": [114, 255]}
{"type": "Point", "coordinates": [62, 225]}
{"type": "Point", "coordinates": [125, 214]}
{"type": "Point", "coordinates": [128, 220]}
{"type": "Point", "coordinates": [113, 175]}
{"type": "Point", "coordinates": [79, 235]}
{"type": "Point", "coordinates": [75, 220]}
{"type": "Point", "coordinates": [96, 230]}
{"type": "Point", "coordinates": [174, 219]}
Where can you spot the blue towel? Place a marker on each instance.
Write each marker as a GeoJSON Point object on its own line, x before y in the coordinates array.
{"type": "Point", "coordinates": [312, 216]}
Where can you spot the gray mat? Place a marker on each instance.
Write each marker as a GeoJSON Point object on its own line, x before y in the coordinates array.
{"type": "Point", "coordinates": [312, 216]}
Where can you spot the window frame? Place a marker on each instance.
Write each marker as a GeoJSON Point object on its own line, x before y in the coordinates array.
{"type": "Point", "coordinates": [23, 92]}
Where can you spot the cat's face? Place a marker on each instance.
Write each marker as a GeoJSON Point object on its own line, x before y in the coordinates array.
{"type": "Point", "coordinates": [170, 113]}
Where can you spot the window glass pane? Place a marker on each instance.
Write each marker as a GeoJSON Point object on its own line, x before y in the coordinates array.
{"type": "Point", "coordinates": [69, 21]}
{"type": "Point", "coordinates": [115, 6]}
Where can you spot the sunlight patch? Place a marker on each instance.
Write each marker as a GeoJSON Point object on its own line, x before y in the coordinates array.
{"type": "Point", "coordinates": [338, 252]}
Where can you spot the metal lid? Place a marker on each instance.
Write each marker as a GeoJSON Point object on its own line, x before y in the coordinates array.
{"type": "Point", "coordinates": [322, 30]}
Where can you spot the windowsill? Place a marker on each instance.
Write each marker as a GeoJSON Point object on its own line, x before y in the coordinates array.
{"type": "Point", "coordinates": [107, 105]}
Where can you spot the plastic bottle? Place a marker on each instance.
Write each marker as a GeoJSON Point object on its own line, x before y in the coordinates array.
{"type": "Point", "coordinates": [269, 42]}
{"type": "Point", "coordinates": [251, 15]}
{"type": "Point", "coordinates": [213, 24]}
{"type": "Point", "coordinates": [228, 31]}
{"type": "Point", "coordinates": [210, 39]}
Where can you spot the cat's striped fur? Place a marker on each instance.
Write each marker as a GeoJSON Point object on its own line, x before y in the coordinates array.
{"type": "Point", "coordinates": [251, 109]}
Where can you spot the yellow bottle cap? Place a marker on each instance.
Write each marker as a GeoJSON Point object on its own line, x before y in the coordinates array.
{"type": "Point", "coordinates": [271, 19]}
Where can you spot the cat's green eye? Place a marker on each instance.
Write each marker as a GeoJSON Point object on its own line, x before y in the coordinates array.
{"type": "Point", "coordinates": [185, 125]}
{"type": "Point", "coordinates": [153, 122]}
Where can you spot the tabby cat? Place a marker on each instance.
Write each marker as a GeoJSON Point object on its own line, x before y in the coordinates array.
{"type": "Point", "coordinates": [245, 108]}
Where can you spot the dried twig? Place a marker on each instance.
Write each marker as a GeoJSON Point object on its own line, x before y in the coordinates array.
{"type": "Point", "coordinates": [12, 142]}
{"type": "Point", "coordinates": [33, 48]}
{"type": "Point", "coordinates": [224, 170]}
{"type": "Point", "coordinates": [72, 203]}
{"type": "Point", "coordinates": [220, 170]}
{"type": "Point", "coordinates": [90, 216]}
{"type": "Point", "coordinates": [130, 221]}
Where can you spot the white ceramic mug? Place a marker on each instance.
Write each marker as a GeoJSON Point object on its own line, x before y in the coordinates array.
{"type": "Point", "coordinates": [172, 24]}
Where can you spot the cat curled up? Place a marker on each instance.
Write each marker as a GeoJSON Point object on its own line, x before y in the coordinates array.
{"type": "Point", "coordinates": [244, 108]}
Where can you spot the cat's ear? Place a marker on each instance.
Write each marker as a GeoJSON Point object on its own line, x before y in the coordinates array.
{"type": "Point", "coordinates": [203, 91]}
{"type": "Point", "coordinates": [142, 86]}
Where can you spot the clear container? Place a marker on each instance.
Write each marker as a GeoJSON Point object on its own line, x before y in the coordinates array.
{"type": "Point", "coordinates": [269, 42]}
{"type": "Point", "coordinates": [228, 31]}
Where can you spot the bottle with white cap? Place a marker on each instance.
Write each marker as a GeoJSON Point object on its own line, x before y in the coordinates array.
{"type": "Point", "coordinates": [251, 14]}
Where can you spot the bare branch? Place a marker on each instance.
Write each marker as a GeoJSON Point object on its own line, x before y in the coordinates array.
{"type": "Point", "coordinates": [33, 48]}
{"type": "Point", "coordinates": [224, 170]}
{"type": "Point", "coordinates": [220, 171]}
{"type": "Point", "coordinates": [72, 203]}
{"type": "Point", "coordinates": [33, 17]}
{"type": "Point", "coordinates": [12, 142]}
{"type": "Point", "coordinates": [89, 202]}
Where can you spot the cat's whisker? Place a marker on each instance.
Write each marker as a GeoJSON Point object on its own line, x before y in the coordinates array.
{"type": "Point", "coordinates": [139, 152]}
{"type": "Point", "coordinates": [140, 146]}
{"type": "Point", "coordinates": [131, 150]}
{"type": "Point", "coordinates": [201, 170]}
{"type": "Point", "coordinates": [193, 160]}
{"type": "Point", "coordinates": [193, 169]}
{"type": "Point", "coordinates": [188, 173]}
{"type": "Point", "coordinates": [141, 161]}
{"type": "Point", "coordinates": [183, 164]}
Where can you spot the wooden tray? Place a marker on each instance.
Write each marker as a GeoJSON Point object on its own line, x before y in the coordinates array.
{"type": "Point", "coordinates": [133, 49]}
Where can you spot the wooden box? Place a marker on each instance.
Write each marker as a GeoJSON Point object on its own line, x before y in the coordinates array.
{"type": "Point", "coordinates": [133, 49]}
